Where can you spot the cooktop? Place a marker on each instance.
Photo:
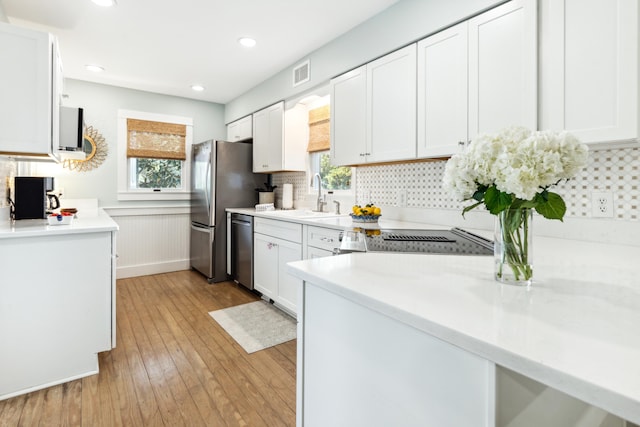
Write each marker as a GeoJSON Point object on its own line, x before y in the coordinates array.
{"type": "Point", "coordinates": [454, 241]}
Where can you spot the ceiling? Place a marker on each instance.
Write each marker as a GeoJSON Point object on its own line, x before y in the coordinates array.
{"type": "Point", "coordinates": [165, 46]}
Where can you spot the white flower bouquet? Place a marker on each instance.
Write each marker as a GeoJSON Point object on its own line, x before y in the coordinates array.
{"type": "Point", "coordinates": [514, 169]}
{"type": "Point", "coordinates": [511, 173]}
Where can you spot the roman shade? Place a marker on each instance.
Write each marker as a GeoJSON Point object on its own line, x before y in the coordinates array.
{"type": "Point", "coordinates": [155, 140]}
{"type": "Point", "coordinates": [319, 129]}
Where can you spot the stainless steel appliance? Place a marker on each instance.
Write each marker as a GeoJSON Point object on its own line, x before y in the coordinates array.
{"type": "Point", "coordinates": [242, 249]}
{"type": "Point", "coordinates": [72, 129]}
{"type": "Point", "coordinates": [31, 199]}
{"type": "Point", "coordinates": [454, 242]}
{"type": "Point", "coordinates": [221, 177]}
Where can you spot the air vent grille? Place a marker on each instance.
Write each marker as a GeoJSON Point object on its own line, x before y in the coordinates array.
{"type": "Point", "coordinates": [301, 73]}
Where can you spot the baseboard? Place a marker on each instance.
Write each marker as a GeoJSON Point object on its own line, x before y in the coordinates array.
{"type": "Point", "coordinates": [156, 268]}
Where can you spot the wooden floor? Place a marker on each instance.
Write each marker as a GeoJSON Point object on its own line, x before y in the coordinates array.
{"type": "Point", "coordinates": [173, 366]}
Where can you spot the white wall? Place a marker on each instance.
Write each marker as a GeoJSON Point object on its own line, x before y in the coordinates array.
{"type": "Point", "coordinates": [101, 104]}
{"type": "Point", "coordinates": [153, 236]}
{"type": "Point", "coordinates": [397, 26]}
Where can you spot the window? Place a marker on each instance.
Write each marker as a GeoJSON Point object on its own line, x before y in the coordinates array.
{"type": "Point", "coordinates": [334, 178]}
{"type": "Point", "coordinates": [153, 153]}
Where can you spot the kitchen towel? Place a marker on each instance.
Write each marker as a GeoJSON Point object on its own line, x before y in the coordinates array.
{"type": "Point", "coordinates": [256, 325]}
{"type": "Point", "coordinates": [287, 196]}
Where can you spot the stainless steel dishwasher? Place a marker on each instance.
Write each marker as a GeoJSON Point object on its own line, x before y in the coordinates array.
{"type": "Point", "coordinates": [242, 249]}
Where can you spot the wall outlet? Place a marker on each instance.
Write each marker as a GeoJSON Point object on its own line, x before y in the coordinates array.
{"type": "Point", "coordinates": [401, 199]}
{"type": "Point", "coordinates": [602, 204]}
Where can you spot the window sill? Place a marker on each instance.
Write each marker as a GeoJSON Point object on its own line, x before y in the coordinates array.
{"type": "Point", "coordinates": [154, 196]}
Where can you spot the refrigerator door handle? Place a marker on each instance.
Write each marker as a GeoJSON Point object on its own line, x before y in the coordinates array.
{"type": "Point", "coordinates": [201, 229]}
{"type": "Point", "coordinates": [207, 185]}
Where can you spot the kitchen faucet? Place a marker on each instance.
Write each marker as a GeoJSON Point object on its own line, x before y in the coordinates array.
{"type": "Point", "coordinates": [320, 202]}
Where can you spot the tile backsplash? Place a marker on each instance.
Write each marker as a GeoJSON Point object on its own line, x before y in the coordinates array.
{"type": "Point", "coordinates": [418, 185]}
{"type": "Point", "coordinates": [7, 172]}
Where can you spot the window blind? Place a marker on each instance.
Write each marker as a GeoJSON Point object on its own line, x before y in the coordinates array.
{"type": "Point", "coordinates": [319, 129]}
{"type": "Point", "coordinates": [156, 140]}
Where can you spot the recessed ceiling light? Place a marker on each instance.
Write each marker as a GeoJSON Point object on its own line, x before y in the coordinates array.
{"type": "Point", "coordinates": [94, 68]}
{"type": "Point", "coordinates": [105, 3]}
{"type": "Point", "coordinates": [247, 41]}
{"type": "Point", "coordinates": [197, 88]}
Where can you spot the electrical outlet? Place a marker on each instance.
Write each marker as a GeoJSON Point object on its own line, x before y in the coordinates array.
{"type": "Point", "coordinates": [401, 200]}
{"type": "Point", "coordinates": [602, 204]}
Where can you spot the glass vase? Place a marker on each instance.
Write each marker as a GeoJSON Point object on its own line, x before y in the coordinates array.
{"type": "Point", "coordinates": [513, 247]}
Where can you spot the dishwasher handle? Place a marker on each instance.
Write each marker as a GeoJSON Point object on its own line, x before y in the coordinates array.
{"type": "Point", "coordinates": [241, 222]}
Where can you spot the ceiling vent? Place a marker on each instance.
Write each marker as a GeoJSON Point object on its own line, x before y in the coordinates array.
{"type": "Point", "coordinates": [301, 73]}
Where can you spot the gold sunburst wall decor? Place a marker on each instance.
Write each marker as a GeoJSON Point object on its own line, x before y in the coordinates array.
{"type": "Point", "coordinates": [96, 150]}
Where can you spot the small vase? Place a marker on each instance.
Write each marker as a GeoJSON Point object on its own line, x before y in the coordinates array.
{"type": "Point", "coordinates": [513, 247]}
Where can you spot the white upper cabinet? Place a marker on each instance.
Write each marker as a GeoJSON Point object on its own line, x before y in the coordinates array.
{"type": "Point", "coordinates": [240, 130]}
{"type": "Point", "coordinates": [280, 138]}
{"type": "Point", "coordinates": [589, 69]}
{"type": "Point", "coordinates": [477, 77]}
{"type": "Point", "coordinates": [391, 106]}
{"type": "Point", "coordinates": [349, 117]}
{"type": "Point", "coordinates": [373, 111]}
{"type": "Point", "coordinates": [503, 75]}
{"type": "Point", "coordinates": [30, 88]}
{"type": "Point", "coordinates": [442, 92]}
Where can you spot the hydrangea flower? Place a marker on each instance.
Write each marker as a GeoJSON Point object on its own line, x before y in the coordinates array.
{"type": "Point", "coordinates": [515, 169]}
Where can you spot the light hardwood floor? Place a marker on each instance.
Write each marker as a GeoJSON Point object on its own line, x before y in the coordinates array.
{"type": "Point", "coordinates": [173, 366]}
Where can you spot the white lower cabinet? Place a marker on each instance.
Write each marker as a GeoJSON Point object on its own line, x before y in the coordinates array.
{"type": "Point", "coordinates": [358, 367]}
{"type": "Point", "coordinates": [271, 255]}
{"type": "Point", "coordinates": [321, 241]}
{"type": "Point", "coordinates": [57, 308]}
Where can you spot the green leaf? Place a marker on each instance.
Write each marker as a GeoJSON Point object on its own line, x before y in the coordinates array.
{"type": "Point", "coordinates": [551, 208]}
{"type": "Point", "coordinates": [468, 208]}
{"type": "Point", "coordinates": [478, 195]}
{"type": "Point", "coordinates": [497, 201]}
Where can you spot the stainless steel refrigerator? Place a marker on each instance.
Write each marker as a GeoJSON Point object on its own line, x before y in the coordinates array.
{"type": "Point", "coordinates": [221, 177]}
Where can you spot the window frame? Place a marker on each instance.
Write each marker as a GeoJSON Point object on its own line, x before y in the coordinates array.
{"type": "Point", "coordinates": [313, 190]}
{"type": "Point", "coordinates": [126, 166]}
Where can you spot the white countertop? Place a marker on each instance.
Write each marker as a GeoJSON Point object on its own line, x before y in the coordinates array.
{"type": "Point", "coordinates": [331, 220]}
{"type": "Point", "coordinates": [87, 221]}
{"type": "Point", "coordinates": [576, 329]}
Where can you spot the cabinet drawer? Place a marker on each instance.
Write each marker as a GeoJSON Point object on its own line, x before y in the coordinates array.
{"type": "Point", "coordinates": [281, 229]}
{"type": "Point", "coordinates": [323, 238]}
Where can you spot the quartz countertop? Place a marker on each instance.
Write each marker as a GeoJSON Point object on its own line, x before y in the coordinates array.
{"type": "Point", "coordinates": [87, 221]}
{"type": "Point", "coordinates": [332, 220]}
{"type": "Point", "coordinates": [575, 329]}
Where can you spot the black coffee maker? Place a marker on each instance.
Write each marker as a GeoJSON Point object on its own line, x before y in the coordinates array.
{"type": "Point", "coordinates": [31, 199]}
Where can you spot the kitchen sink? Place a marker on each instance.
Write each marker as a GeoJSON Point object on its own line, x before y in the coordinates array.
{"type": "Point", "coordinates": [301, 213]}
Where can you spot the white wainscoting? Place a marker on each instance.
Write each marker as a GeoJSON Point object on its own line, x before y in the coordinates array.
{"type": "Point", "coordinates": [151, 240]}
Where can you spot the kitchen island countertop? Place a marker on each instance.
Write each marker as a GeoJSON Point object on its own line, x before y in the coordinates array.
{"type": "Point", "coordinates": [576, 329]}
{"type": "Point", "coordinates": [90, 221]}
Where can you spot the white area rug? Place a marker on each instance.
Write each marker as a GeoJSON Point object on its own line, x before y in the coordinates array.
{"type": "Point", "coordinates": [256, 325]}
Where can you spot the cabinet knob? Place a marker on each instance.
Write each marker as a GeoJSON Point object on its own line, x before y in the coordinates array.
{"type": "Point", "coordinates": [462, 143]}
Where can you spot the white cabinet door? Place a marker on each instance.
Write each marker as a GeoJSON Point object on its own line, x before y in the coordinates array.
{"type": "Point", "coordinates": [359, 367]}
{"type": "Point", "coordinates": [349, 117]}
{"type": "Point", "coordinates": [317, 253]}
{"type": "Point", "coordinates": [280, 139]}
{"type": "Point", "coordinates": [268, 126]}
{"type": "Point", "coordinates": [240, 130]}
{"type": "Point", "coordinates": [288, 285]}
{"type": "Point", "coordinates": [391, 106]}
{"type": "Point", "coordinates": [271, 256]}
{"type": "Point", "coordinates": [442, 92]}
{"type": "Point", "coordinates": [265, 267]}
{"type": "Point", "coordinates": [589, 68]}
{"type": "Point", "coordinates": [503, 68]}
{"type": "Point", "coordinates": [28, 88]}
